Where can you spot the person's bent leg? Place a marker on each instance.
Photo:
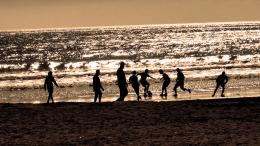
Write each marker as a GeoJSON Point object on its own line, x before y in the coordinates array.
{"type": "Point", "coordinates": [182, 87]}
{"type": "Point", "coordinates": [138, 93]}
{"type": "Point", "coordinates": [166, 84]}
{"type": "Point", "coordinates": [148, 85]}
{"type": "Point", "coordinates": [175, 89]}
{"type": "Point", "coordinates": [136, 89]}
{"type": "Point", "coordinates": [162, 90]}
{"type": "Point", "coordinates": [223, 90]}
{"type": "Point", "coordinates": [217, 86]}
{"type": "Point", "coordinates": [145, 90]}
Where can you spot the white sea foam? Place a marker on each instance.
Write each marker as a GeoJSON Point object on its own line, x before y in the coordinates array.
{"type": "Point", "coordinates": [201, 50]}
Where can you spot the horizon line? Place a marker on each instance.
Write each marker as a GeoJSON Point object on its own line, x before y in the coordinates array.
{"type": "Point", "coordinates": [123, 26]}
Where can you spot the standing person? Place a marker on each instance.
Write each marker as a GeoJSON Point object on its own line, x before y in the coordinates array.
{"type": "Point", "coordinates": [180, 82]}
{"type": "Point", "coordinates": [166, 82]}
{"type": "Point", "coordinates": [135, 84]}
{"type": "Point", "coordinates": [121, 82]}
{"type": "Point", "coordinates": [221, 81]}
{"type": "Point", "coordinates": [144, 82]}
{"type": "Point", "coordinates": [97, 86]}
{"type": "Point", "coordinates": [48, 83]}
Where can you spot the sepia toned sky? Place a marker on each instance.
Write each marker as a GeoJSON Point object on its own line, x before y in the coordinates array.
{"type": "Point", "coordinates": [32, 14]}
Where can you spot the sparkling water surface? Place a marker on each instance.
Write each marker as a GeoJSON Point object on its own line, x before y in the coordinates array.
{"type": "Point", "coordinates": [201, 50]}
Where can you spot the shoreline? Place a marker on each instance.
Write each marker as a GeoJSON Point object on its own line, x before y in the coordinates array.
{"type": "Point", "coordinates": [201, 89]}
{"type": "Point", "coordinates": [207, 99]}
{"type": "Point", "coordinates": [196, 122]}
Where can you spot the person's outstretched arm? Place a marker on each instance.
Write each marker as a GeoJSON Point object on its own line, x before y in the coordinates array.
{"type": "Point", "coordinates": [226, 79]}
{"type": "Point", "coordinates": [55, 82]}
{"type": "Point", "coordinates": [150, 77]}
{"type": "Point", "coordinates": [139, 74]}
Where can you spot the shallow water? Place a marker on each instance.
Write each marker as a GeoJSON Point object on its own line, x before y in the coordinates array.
{"type": "Point", "coordinates": [201, 89]}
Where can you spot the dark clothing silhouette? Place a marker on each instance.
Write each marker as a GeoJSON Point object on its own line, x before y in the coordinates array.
{"type": "Point", "coordinates": [122, 84]}
{"type": "Point", "coordinates": [166, 82]}
{"type": "Point", "coordinates": [221, 81]}
{"type": "Point", "coordinates": [135, 84]}
{"type": "Point", "coordinates": [180, 77]}
{"type": "Point", "coordinates": [144, 82]}
{"type": "Point", "coordinates": [97, 87]}
{"type": "Point", "coordinates": [180, 83]}
{"type": "Point", "coordinates": [48, 84]}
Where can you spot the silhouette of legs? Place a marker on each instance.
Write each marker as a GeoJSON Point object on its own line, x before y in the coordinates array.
{"type": "Point", "coordinates": [164, 88]}
{"type": "Point", "coordinates": [136, 88]}
{"type": "Point", "coordinates": [98, 94]}
{"type": "Point", "coordinates": [123, 93]}
{"type": "Point", "coordinates": [146, 85]}
{"type": "Point", "coordinates": [223, 90]}
{"type": "Point", "coordinates": [181, 85]}
{"type": "Point", "coordinates": [216, 89]}
{"type": "Point", "coordinates": [50, 96]}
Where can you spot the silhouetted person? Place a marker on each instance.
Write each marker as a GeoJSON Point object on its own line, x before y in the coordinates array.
{"type": "Point", "coordinates": [144, 82]}
{"type": "Point", "coordinates": [180, 82]}
{"type": "Point", "coordinates": [49, 80]}
{"type": "Point", "coordinates": [121, 82]}
{"type": "Point", "coordinates": [135, 84]}
{"type": "Point", "coordinates": [221, 81]}
{"type": "Point", "coordinates": [97, 86]}
{"type": "Point", "coordinates": [166, 82]}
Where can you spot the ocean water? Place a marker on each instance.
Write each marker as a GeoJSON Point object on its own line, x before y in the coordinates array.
{"type": "Point", "coordinates": [202, 51]}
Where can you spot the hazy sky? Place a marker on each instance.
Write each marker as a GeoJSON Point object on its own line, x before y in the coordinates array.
{"type": "Point", "coordinates": [26, 14]}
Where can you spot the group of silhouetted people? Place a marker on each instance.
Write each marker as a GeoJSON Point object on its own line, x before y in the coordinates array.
{"type": "Point", "coordinates": [221, 80]}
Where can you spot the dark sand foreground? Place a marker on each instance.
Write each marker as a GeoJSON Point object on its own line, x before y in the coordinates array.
{"type": "Point", "coordinates": [200, 122]}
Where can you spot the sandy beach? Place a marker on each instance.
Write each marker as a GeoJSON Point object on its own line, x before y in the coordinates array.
{"type": "Point", "coordinates": [195, 122]}
{"type": "Point", "coordinates": [201, 89]}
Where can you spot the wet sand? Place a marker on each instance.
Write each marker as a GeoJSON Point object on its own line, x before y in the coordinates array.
{"type": "Point", "coordinates": [195, 122]}
{"type": "Point", "coordinates": [201, 89]}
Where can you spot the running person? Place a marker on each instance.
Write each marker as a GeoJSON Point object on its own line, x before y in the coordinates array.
{"type": "Point", "coordinates": [166, 82]}
{"type": "Point", "coordinates": [144, 82]}
{"type": "Point", "coordinates": [180, 82]}
{"type": "Point", "coordinates": [221, 81]}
